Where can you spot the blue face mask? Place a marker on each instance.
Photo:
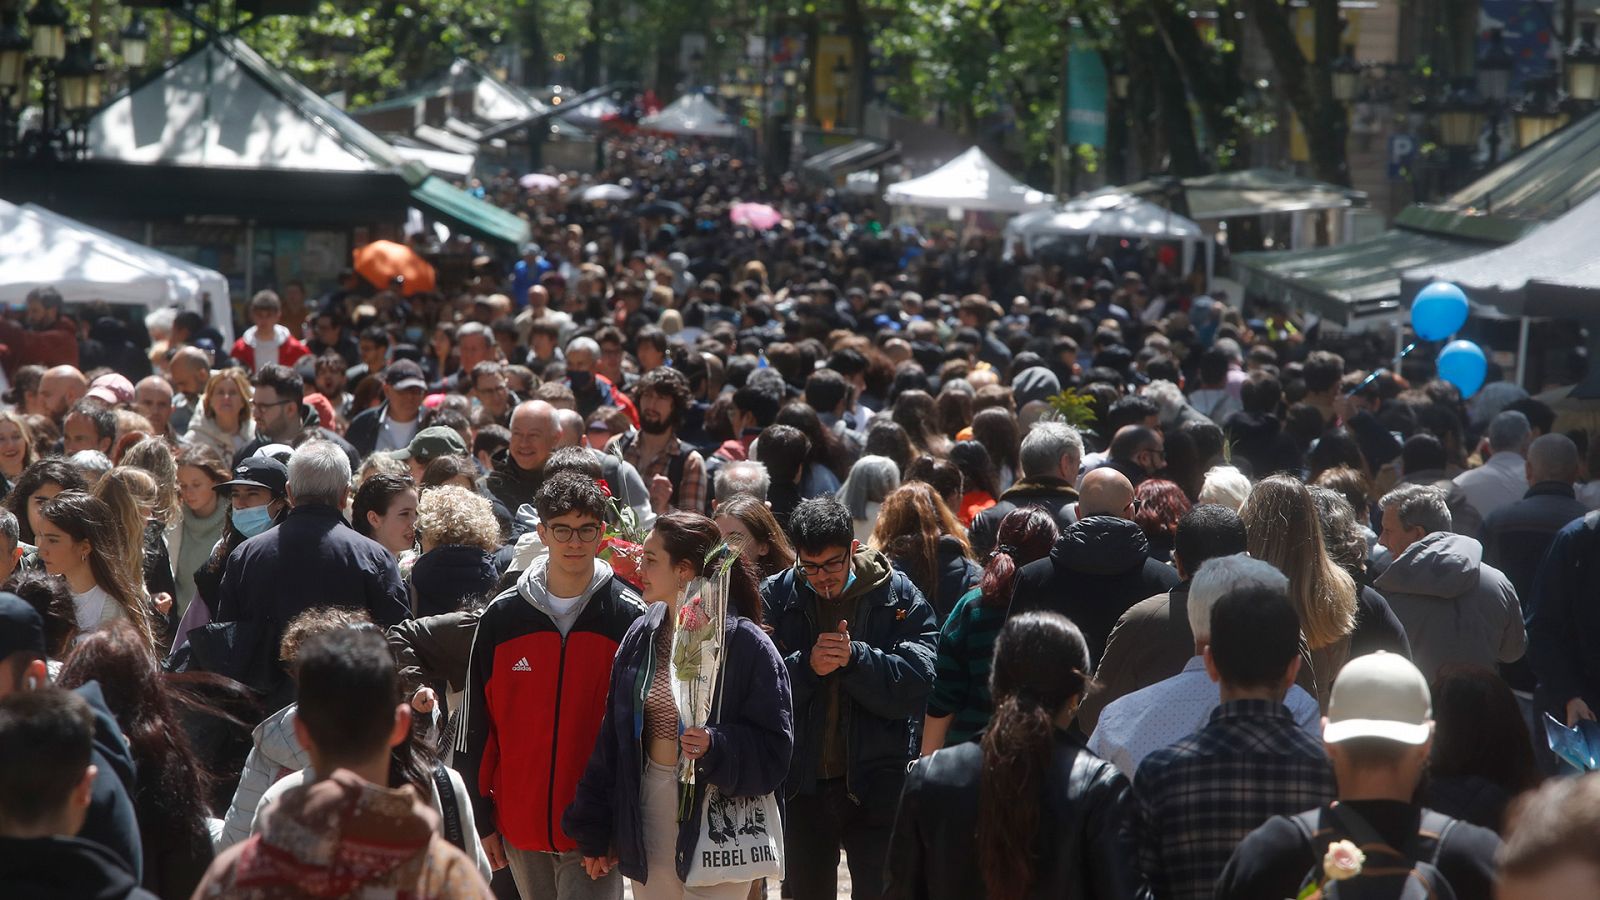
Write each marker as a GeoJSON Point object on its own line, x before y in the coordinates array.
{"type": "Point", "coordinates": [252, 521]}
{"type": "Point", "coordinates": [414, 334]}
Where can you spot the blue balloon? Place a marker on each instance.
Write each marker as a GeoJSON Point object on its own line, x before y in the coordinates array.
{"type": "Point", "coordinates": [1439, 311]}
{"type": "Point", "coordinates": [1462, 364]}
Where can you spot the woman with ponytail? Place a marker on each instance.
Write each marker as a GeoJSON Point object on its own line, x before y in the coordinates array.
{"type": "Point", "coordinates": [1051, 816]}
{"type": "Point", "coordinates": [627, 816]}
{"type": "Point", "coordinates": [959, 706]}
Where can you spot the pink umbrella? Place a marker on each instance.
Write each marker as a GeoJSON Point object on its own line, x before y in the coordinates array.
{"type": "Point", "coordinates": [756, 215]}
{"type": "Point", "coordinates": [538, 181]}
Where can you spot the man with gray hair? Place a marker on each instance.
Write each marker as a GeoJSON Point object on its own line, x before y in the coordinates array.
{"type": "Point", "coordinates": [312, 559]}
{"type": "Point", "coordinates": [1502, 479]}
{"type": "Point", "coordinates": [590, 389]}
{"type": "Point", "coordinates": [1138, 724]}
{"type": "Point", "coordinates": [1455, 608]}
{"type": "Point", "coordinates": [744, 476]}
{"type": "Point", "coordinates": [1050, 456]}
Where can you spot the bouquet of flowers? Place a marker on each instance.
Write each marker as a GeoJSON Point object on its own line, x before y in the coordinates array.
{"type": "Point", "coordinates": [697, 644]}
{"type": "Point", "coordinates": [622, 546]}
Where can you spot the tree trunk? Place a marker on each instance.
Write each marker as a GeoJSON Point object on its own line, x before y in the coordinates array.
{"type": "Point", "coordinates": [535, 56]}
{"type": "Point", "coordinates": [1308, 85]}
{"type": "Point", "coordinates": [855, 27]}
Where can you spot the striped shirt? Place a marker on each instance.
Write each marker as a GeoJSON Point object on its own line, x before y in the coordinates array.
{"type": "Point", "coordinates": [961, 672]}
{"type": "Point", "coordinates": [1200, 797]}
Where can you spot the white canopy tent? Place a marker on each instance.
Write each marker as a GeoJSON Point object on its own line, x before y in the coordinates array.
{"type": "Point", "coordinates": [1110, 214]}
{"type": "Point", "coordinates": [40, 248]}
{"type": "Point", "coordinates": [691, 115]}
{"type": "Point", "coordinates": [971, 181]}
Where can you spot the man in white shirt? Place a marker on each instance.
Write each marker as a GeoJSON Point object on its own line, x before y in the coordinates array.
{"type": "Point", "coordinates": [1503, 478]}
{"type": "Point", "coordinates": [392, 425]}
{"type": "Point", "coordinates": [1138, 724]}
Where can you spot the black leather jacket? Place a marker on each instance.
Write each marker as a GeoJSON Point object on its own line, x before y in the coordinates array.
{"type": "Point", "coordinates": [1081, 846]}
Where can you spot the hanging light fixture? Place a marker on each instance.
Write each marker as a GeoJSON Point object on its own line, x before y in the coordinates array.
{"type": "Point", "coordinates": [136, 42]}
{"type": "Point", "coordinates": [81, 77]}
{"type": "Point", "coordinates": [48, 23]}
{"type": "Point", "coordinates": [1461, 117]}
{"type": "Point", "coordinates": [1539, 114]}
{"type": "Point", "coordinates": [1494, 69]}
{"type": "Point", "coordinates": [1346, 75]}
{"type": "Point", "coordinates": [1120, 81]}
{"type": "Point", "coordinates": [14, 48]}
{"type": "Point", "coordinates": [1582, 61]}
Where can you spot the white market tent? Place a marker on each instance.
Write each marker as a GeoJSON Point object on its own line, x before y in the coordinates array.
{"type": "Point", "coordinates": [971, 181]}
{"type": "Point", "coordinates": [691, 115]}
{"type": "Point", "coordinates": [1110, 214]}
{"type": "Point", "coordinates": [40, 248]}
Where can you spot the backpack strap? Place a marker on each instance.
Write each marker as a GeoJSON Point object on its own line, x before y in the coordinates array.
{"type": "Point", "coordinates": [449, 806]}
{"type": "Point", "coordinates": [1435, 827]}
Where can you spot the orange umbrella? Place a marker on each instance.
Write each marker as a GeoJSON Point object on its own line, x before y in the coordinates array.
{"type": "Point", "coordinates": [381, 262]}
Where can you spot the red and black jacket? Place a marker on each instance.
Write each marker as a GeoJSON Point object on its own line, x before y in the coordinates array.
{"type": "Point", "coordinates": [534, 702]}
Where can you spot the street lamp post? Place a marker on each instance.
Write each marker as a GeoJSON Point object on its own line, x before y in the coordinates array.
{"type": "Point", "coordinates": [1346, 76]}
{"type": "Point", "coordinates": [1539, 113]}
{"type": "Point", "coordinates": [136, 42]}
{"type": "Point", "coordinates": [1582, 61]}
{"type": "Point", "coordinates": [1494, 86]}
{"type": "Point", "coordinates": [841, 88]}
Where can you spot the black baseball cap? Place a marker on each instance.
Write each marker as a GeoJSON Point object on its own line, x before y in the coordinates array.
{"type": "Point", "coordinates": [403, 374]}
{"type": "Point", "coordinates": [21, 628]}
{"type": "Point", "coordinates": [258, 471]}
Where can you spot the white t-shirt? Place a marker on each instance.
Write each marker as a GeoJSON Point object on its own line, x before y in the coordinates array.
{"type": "Point", "coordinates": [396, 435]}
{"type": "Point", "coordinates": [95, 608]}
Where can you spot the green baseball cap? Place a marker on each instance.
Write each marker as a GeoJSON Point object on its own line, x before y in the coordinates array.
{"type": "Point", "coordinates": [431, 443]}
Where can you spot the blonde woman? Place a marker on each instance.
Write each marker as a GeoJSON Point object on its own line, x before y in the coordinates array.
{"type": "Point", "coordinates": [459, 535]}
{"type": "Point", "coordinates": [1338, 620]}
{"type": "Point", "coordinates": [16, 449]}
{"type": "Point", "coordinates": [133, 496]}
{"type": "Point", "coordinates": [224, 422]}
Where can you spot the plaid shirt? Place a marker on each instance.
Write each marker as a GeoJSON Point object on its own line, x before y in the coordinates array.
{"type": "Point", "coordinates": [1200, 797]}
{"type": "Point", "coordinates": [691, 494]}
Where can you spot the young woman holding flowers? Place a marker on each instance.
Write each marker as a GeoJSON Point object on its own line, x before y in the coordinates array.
{"type": "Point", "coordinates": [642, 818]}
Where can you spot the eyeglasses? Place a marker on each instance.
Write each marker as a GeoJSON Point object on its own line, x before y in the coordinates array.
{"type": "Point", "coordinates": [262, 403]}
{"type": "Point", "coordinates": [832, 567]}
{"type": "Point", "coordinates": [585, 533]}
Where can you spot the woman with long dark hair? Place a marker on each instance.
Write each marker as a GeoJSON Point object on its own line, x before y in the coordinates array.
{"type": "Point", "coordinates": [748, 522]}
{"type": "Point", "coordinates": [920, 534]}
{"type": "Point", "coordinates": [385, 509]}
{"type": "Point", "coordinates": [40, 482]}
{"type": "Point", "coordinates": [628, 816]}
{"type": "Point", "coordinates": [959, 707]}
{"type": "Point", "coordinates": [828, 462]}
{"type": "Point", "coordinates": [980, 485]}
{"type": "Point", "coordinates": [1482, 757]}
{"type": "Point", "coordinates": [1050, 816]}
{"type": "Point", "coordinates": [916, 412]}
{"type": "Point", "coordinates": [169, 798]}
{"type": "Point", "coordinates": [996, 429]}
{"type": "Point", "coordinates": [82, 540]}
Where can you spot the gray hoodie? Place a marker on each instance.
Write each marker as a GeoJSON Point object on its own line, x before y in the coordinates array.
{"type": "Point", "coordinates": [1455, 608]}
{"type": "Point", "coordinates": [534, 588]}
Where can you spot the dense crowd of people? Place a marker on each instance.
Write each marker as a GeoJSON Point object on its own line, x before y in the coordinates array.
{"type": "Point", "coordinates": [1044, 578]}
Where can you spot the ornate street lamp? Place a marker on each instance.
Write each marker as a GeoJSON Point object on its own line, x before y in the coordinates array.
{"type": "Point", "coordinates": [1346, 75]}
{"type": "Point", "coordinates": [1494, 70]}
{"type": "Point", "coordinates": [82, 79]}
{"type": "Point", "coordinates": [1582, 62]}
{"type": "Point", "coordinates": [1120, 81]}
{"type": "Point", "coordinates": [14, 47]}
{"type": "Point", "coordinates": [1539, 113]}
{"type": "Point", "coordinates": [136, 42]}
{"type": "Point", "coordinates": [48, 22]}
{"type": "Point", "coordinates": [1461, 117]}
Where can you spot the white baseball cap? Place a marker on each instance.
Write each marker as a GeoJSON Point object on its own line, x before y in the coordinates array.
{"type": "Point", "coordinates": [1381, 695]}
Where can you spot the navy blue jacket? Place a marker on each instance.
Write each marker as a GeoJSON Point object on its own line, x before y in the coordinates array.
{"type": "Point", "coordinates": [884, 689]}
{"type": "Point", "coordinates": [312, 558]}
{"type": "Point", "coordinates": [111, 821]}
{"type": "Point", "coordinates": [1563, 622]}
{"type": "Point", "coordinates": [748, 757]}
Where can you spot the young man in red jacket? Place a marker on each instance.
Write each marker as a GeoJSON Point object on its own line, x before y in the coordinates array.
{"type": "Point", "coordinates": [536, 694]}
{"type": "Point", "coordinates": [267, 343]}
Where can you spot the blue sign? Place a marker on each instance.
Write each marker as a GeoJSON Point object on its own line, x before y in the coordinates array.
{"type": "Point", "coordinates": [1402, 153]}
{"type": "Point", "coordinates": [1086, 93]}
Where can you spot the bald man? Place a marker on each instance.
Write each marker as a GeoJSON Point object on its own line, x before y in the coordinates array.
{"type": "Point", "coordinates": [59, 389]}
{"type": "Point", "coordinates": [152, 397]}
{"type": "Point", "coordinates": [1517, 536]}
{"type": "Point", "coordinates": [536, 431]}
{"type": "Point", "coordinates": [1099, 567]}
{"type": "Point", "coordinates": [1105, 492]}
{"type": "Point", "coordinates": [189, 372]}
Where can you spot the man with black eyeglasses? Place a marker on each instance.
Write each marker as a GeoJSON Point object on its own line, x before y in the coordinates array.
{"type": "Point", "coordinates": [859, 640]}
{"type": "Point", "coordinates": [536, 692]}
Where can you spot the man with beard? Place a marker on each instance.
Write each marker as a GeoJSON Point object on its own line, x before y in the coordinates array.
{"type": "Point", "coordinates": [675, 472]}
